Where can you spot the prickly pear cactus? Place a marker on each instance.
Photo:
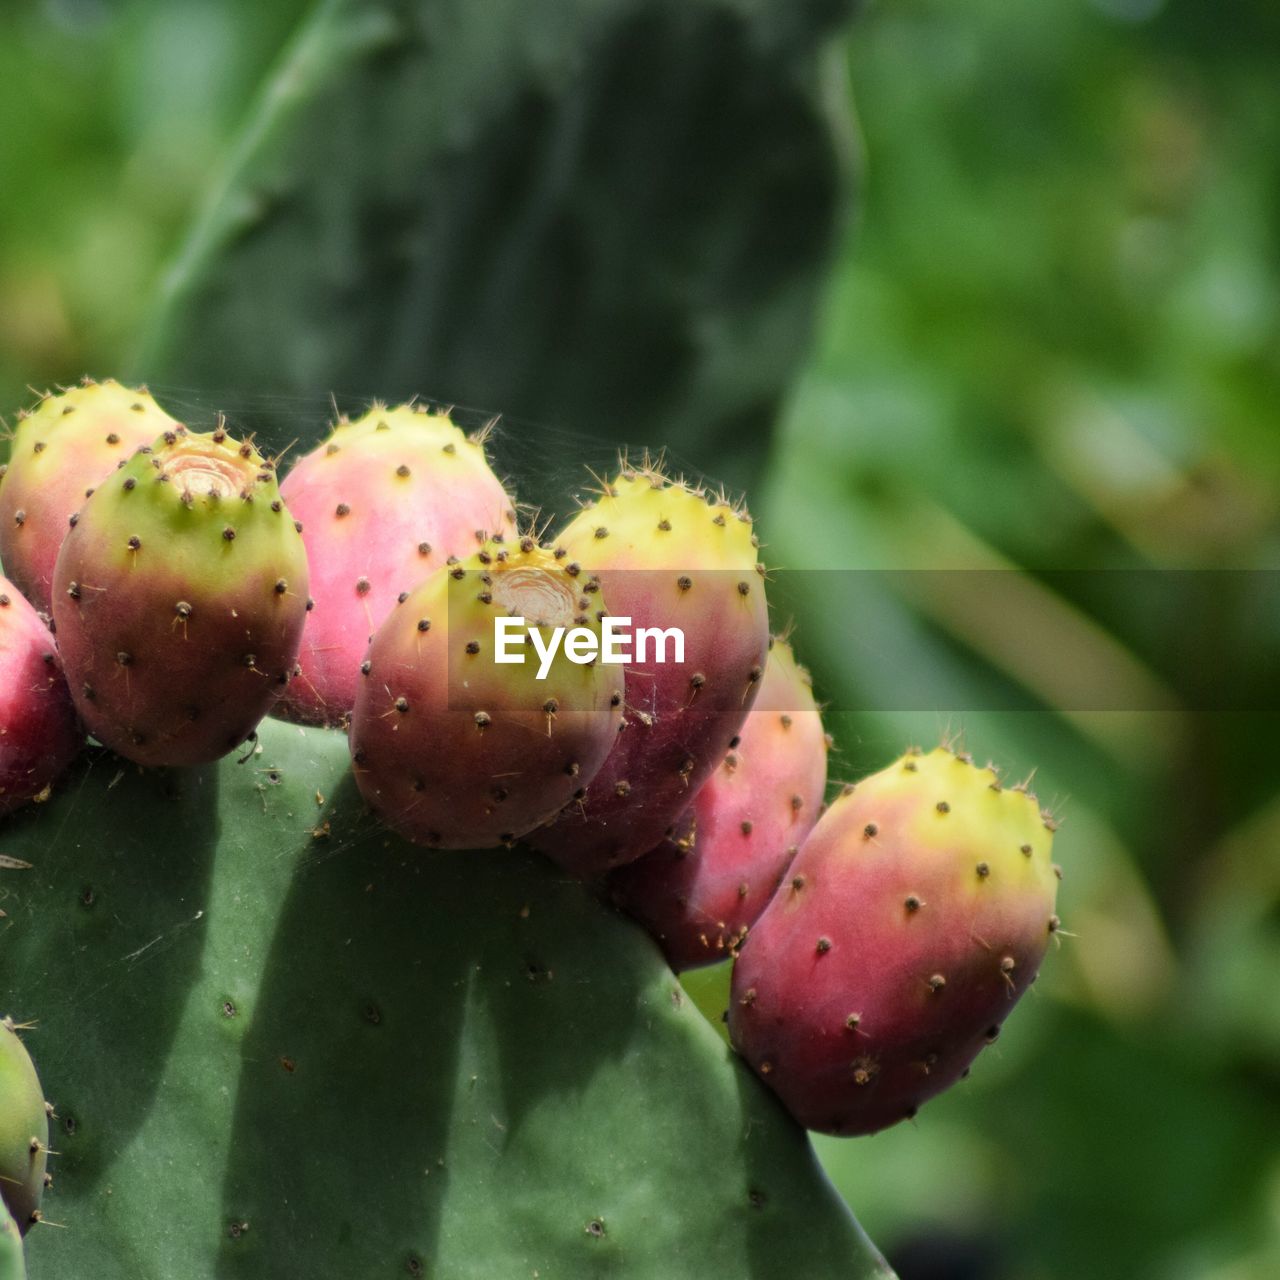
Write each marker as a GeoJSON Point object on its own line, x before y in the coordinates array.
{"type": "Point", "coordinates": [280, 1042]}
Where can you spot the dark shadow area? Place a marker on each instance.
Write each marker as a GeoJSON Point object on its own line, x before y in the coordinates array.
{"type": "Point", "coordinates": [101, 942]}
{"type": "Point", "coordinates": [406, 991]}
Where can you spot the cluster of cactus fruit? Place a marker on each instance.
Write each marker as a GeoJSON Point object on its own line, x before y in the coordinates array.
{"type": "Point", "coordinates": [166, 591]}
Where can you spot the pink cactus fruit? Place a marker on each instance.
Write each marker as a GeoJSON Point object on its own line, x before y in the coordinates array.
{"type": "Point", "coordinates": [39, 733]}
{"type": "Point", "coordinates": [62, 448]}
{"type": "Point", "coordinates": [454, 749]}
{"type": "Point", "coordinates": [179, 600]}
{"type": "Point", "coordinates": [698, 894]}
{"type": "Point", "coordinates": [383, 502]}
{"type": "Point", "coordinates": [913, 918]}
{"type": "Point", "coordinates": [668, 557]}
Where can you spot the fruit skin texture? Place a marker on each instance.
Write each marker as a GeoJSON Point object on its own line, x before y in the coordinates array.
{"type": "Point", "coordinates": [67, 444]}
{"type": "Point", "coordinates": [39, 733]}
{"type": "Point", "coordinates": [179, 600]}
{"type": "Point", "coordinates": [454, 750]}
{"type": "Point", "coordinates": [12, 1264]}
{"type": "Point", "coordinates": [914, 916]}
{"type": "Point", "coordinates": [699, 894]}
{"type": "Point", "coordinates": [384, 501]}
{"type": "Point", "coordinates": [24, 1129]}
{"type": "Point", "coordinates": [665, 556]}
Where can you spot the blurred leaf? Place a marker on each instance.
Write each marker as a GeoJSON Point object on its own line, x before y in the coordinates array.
{"type": "Point", "coordinates": [608, 215]}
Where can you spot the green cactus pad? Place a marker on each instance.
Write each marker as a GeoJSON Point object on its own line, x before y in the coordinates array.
{"type": "Point", "coordinates": [282, 1043]}
{"type": "Point", "coordinates": [460, 199]}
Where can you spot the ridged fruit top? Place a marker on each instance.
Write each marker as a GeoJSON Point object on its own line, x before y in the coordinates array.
{"type": "Point", "coordinates": [645, 520]}
{"type": "Point", "coordinates": [699, 893]}
{"type": "Point", "coordinates": [667, 556]}
{"type": "Point", "coordinates": [39, 734]}
{"type": "Point", "coordinates": [179, 600]}
{"type": "Point", "coordinates": [62, 448]}
{"type": "Point", "coordinates": [913, 917]}
{"type": "Point", "coordinates": [384, 501]}
{"type": "Point", "coordinates": [457, 750]}
{"type": "Point", "coordinates": [24, 1129]}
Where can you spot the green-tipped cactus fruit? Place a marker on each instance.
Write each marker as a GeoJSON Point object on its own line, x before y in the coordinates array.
{"type": "Point", "coordinates": [913, 918]}
{"type": "Point", "coordinates": [12, 1263]}
{"type": "Point", "coordinates": [667, 556]}
{"type": "Point", "coordinates": [454, 748]}
{"type": "Point", "coordinates": [698, 894]}
{"type": "Point", "coordinates": [24, 1130]}
{"type": "Point", "coordinates": [62, 449]}
{"type": "Point", "coordinates": [179, 600]}
{"type": "Point", "coordinates": [383, 501]}
{"type": "Point", "coordinates": [39, 734]}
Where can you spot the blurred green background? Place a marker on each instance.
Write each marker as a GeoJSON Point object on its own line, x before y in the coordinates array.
{"type": "Point", "coordinates": [1046, 335]}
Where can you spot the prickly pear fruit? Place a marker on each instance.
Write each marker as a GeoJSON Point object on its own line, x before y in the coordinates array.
{"type": "Point", "coordinates": [179, 600]}
{"type": "Point", "coordinates": [39, 734]}
{"type": "Point", "coordinates": [12, 1262]}
{"type": "Point", "coordinates": [384, 501]}
{"type": "Point", "coordinates": [24, 1130]}
{"type": "Point", "coordinates": [65, 446]}
{"type": "Point", "coordinates": [699, 893]}
{"type": "Point", "coordinates": [912, 919]}
{"type": "Point", "coordinates": [667, 556]}
{"type": "Point", "coordinates": [454, 749]}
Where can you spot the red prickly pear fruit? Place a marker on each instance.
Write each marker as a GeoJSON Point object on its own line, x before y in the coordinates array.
{"type": "Point", "coordinates": [39, 734]}
{"type": "Point", "coordinates": [24, 1130]}
{"type": "Point", "coordinates": [455, 749]}
{"type": "Point", "coordinates": [698, 894]}
{"type": "Point", "coordinates": [179, 600]}
{"type": "Point", "coordinates": [666, 556]}
{"type": "Point", "coordinates": [912, 919]}
{"type": "Point", "coordinates": [64, 447]}
{"type": "Point", "coordinates": [383, 502]}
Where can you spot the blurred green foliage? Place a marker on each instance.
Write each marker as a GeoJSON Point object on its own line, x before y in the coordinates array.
{"type": "Point", "coordinates": [1051, 339]}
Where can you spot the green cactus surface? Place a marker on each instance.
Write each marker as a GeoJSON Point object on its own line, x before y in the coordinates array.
{"type": "Point", "coordinates": [609, 215]}
{"type": "Point", "coordinates": [280, 1042]}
